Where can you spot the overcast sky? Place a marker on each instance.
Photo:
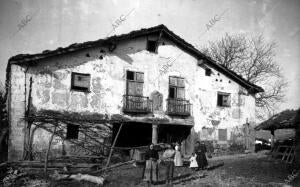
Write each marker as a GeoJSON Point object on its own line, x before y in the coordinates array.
{"type": "Point", "coordinates": [31, 26]}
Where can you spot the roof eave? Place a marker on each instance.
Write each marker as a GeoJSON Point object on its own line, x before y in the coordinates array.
{"type": "Point", "coordinates": [24, 58]}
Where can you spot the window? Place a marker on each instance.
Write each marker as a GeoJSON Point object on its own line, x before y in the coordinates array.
{"type": "Point", "coordinates": [135, 82]}
{"type": "Point", "coordinates": [223, 99]}
{"type": "Point", "coordinates": [176, 88]}
{"type": "Point", "coordinates": [207, 71]}
{"type": "Point", "coordinates": [80, 82]}
{"type": "Point", "coordinates": [151, 46]}
{"type": "Point", "coordinates": [222, 134]}
{"type": "Point", "coordinates": [72, 131]}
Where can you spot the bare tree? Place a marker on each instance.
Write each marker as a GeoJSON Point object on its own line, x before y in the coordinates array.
{"type": "Point", "coordinates": [253, 59]}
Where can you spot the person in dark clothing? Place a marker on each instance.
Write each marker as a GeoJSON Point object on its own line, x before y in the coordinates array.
{"type": "Point", "coordinates": [200, 150]}
{"type": "Point", "coordinates": [151, 170]}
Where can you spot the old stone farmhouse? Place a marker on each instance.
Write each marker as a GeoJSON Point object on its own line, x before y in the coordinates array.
{"type": "Point", "coordinates": [159, 86]}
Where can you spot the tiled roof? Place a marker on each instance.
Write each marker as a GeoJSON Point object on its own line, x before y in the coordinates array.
{"type": "Point", "coordinates": [283, 120]}
{"type": "Point", "coordinates": [27, 58]}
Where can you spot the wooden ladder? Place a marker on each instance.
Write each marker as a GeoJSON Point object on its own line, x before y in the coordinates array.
{"type": "Point", "coordinates": [289, 154]}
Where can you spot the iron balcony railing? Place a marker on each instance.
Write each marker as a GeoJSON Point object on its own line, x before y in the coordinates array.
{"type": "Point", "coordinates": [178, 107]}
{"type": "Point", "coordinates": [136, 104]}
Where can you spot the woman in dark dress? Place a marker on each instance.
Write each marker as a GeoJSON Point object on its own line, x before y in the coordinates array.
{"type": "Point", "coordinates": [200, 150]}
{"type": "Point", "coordinates": [151, 170]}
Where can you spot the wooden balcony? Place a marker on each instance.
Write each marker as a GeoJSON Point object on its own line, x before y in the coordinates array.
{"type": "Point", "coordinates": [136, 104]}
{"type": "Point", "coordinates": [178, 107]}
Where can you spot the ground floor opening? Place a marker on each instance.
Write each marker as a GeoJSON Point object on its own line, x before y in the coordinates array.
{"type": "Point", "coordinates": [135, 134]}
{"type": "Point", "coordinates": [173, 133]}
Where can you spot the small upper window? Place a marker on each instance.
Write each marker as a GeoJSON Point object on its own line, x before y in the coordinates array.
{"type": "Point", "coordinates": [80, 82]}
{"type": "Point", "coordinates": [72, 131]}
{"type": "Point", "coordinates": [223, 99]}
{"type": "Point", "coordinates": [151, 46]}
{"type": "Point", "coordinates": [207, 72]}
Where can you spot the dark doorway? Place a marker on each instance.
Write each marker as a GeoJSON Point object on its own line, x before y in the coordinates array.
{"type": "Point", "coordinates": [133, 134]}
{"type": "Point", "coordinates": [173, 133]}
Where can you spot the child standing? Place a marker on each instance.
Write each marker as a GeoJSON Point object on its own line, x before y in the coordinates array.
{"type": "Point", "coordinates": [193, 162]}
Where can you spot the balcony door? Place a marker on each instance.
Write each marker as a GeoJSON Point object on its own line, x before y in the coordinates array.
{"type": "Point", "coordinates": [176, 88]}
{"type": "Point", "coordinates": [135, 82]}
{"type": "Point", "coordinates": [177, 105]}
{"type": "Point", "coordinates": [134, 90]}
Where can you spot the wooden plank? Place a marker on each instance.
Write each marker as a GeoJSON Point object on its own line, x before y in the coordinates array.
{"type": "Point", "coordinates": [54, 164]}
{"type": "Point", "coordinates": [285, 153]}
{"type": "Point", "coordinates": [113, 145]}
{"type": "Point", "coordinates": [291, 155]}
{"type": "Point", "coordinates": [48, 150]}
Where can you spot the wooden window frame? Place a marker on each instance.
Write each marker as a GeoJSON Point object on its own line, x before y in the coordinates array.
{"type": "Point", "coordinates": [221, 103]}
{"type": "Point", "coordinates": [176, 87]}
{"type": "Point", "coordinates": [134, 80]}
{"type": "Point", "coordinates": [81, 89]}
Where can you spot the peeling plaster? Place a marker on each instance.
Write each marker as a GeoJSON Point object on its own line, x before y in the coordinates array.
{"type": "Point", "coordinates": [52, 83]}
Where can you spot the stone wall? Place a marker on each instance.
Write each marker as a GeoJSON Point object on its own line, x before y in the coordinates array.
{"type": "Point", "coordinates": [51, 88]}
{"type": "Point", "coordinates": [16, 107]}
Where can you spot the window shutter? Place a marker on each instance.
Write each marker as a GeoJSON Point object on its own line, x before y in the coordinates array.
{"type": "Point", "coordinates": [180, 82]}
{"type": "Point", "coordinates": [180, 93]}
{"type": "Point", "coordinates": [173, 81]}
{"type": "Point", "coordinates": [80, 81]}
{"type": "Point", "coordinates": [135, 82]}
{"type": "Point", "coordinates": [228, 100]}
{"type": "Point", "coordinates": [139, 77]}
{"type": "Point", "coordinates": [224, 100]}
{"type": "Point", "coordinates": [131, 90]}
{"type": "Point", "coordinates": [139, 89]}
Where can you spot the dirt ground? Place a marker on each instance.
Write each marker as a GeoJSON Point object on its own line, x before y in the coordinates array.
{"type": "Point", "coordinates": [238, 170]}
{"type": "Point", "coordinates": [253, 169]}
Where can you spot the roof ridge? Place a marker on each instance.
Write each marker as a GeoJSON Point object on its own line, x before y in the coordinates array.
{"type": "Point", "coordinates": [23, 58]}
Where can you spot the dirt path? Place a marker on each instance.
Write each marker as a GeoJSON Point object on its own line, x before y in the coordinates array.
{"type": "Point", "coordinates": [238, 170]}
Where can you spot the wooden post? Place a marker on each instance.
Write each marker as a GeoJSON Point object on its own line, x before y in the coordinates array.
{"type": "Point", "coordinates": [48, 150]}
{"type": "Point", "coordinates": [26, 152]}
{"type": "Point", "coordinates": [247, 143]}
{"type": "Point", "coordinates": [154, 133]}
{"type": "Point", "coordinates": [113, 145]}
{"type": "Point", "coordinates": [272, 138]}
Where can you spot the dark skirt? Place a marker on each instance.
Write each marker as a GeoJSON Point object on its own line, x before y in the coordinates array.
{"type": "Point", "coordinates": [201, 160]}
